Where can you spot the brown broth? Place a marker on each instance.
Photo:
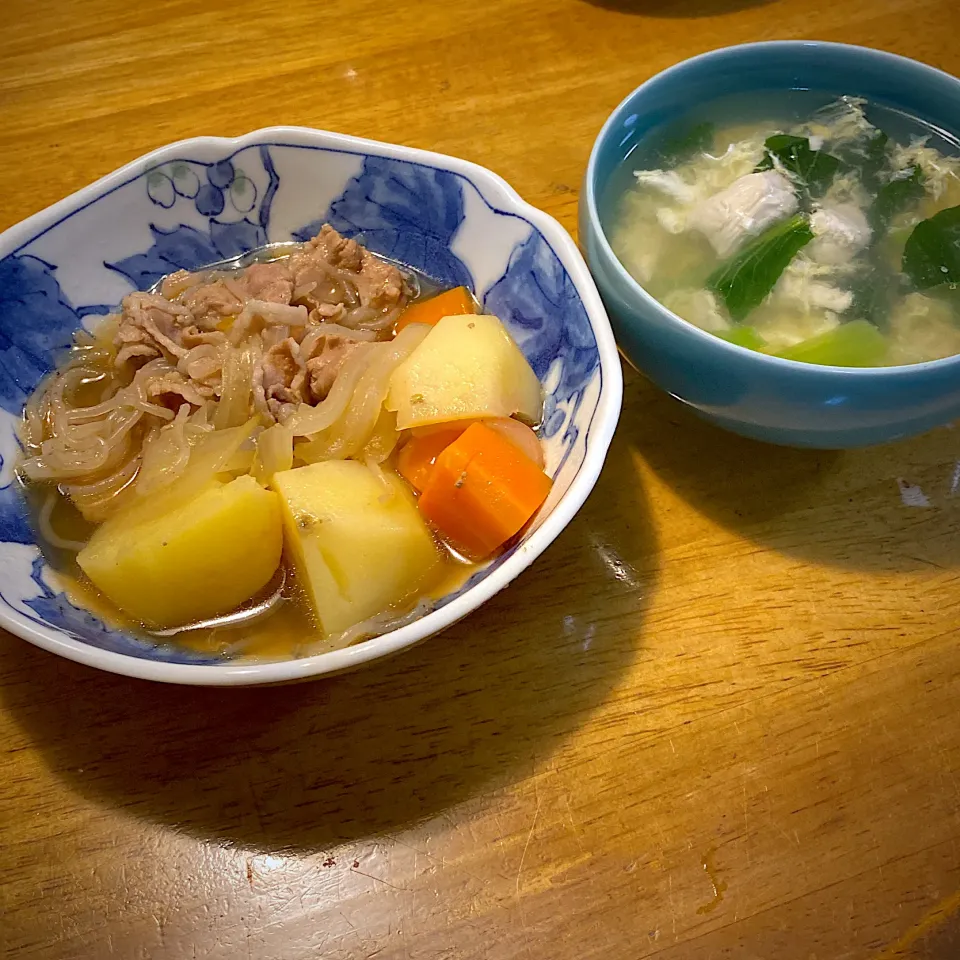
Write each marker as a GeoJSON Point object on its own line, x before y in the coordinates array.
{"type": "Point", "coordinates": [280, 623]}
{"type": "Point", "coordinates": [277, 624]}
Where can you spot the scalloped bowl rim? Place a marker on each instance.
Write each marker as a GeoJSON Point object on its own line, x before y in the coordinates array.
{"type": "Point", "coordinates": [492, 187]}
{"type": "Point", "coordinates": [636, 288]}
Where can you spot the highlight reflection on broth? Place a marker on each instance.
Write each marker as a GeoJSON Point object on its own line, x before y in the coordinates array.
{"type": "Point", "coordinates": [282, 455]}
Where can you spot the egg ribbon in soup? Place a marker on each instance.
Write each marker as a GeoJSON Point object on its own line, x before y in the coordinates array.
{"type": "Point", "coordinates": [823, 240]}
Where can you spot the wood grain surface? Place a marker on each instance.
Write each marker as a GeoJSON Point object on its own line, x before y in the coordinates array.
{"type": "Point", "coordinates": [717, 719]}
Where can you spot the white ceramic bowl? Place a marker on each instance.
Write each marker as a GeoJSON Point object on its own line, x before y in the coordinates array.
{"type": "Point", "coordinates": [201, 200]}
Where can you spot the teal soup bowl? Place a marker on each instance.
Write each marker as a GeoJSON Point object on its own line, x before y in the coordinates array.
{"type": "Point", "coordinates": [754, 394]}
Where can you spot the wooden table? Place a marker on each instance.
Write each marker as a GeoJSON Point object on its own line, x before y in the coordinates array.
{"type": "Point", "coordinates": [718, 719]}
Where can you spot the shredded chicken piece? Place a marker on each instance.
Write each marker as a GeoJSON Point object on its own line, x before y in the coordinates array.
{"type": "Point", "coordinates": [745, 209]}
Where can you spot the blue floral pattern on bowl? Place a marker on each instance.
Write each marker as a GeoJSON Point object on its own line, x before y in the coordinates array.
{"type": "Point", "coordinates": [199, 208]}
{"type": "Point", "coordinates": [28, 288]}
{"type": "Point", "coordinates": [407, 212]}
{"type": "Point", "coordinates": [188, 248]}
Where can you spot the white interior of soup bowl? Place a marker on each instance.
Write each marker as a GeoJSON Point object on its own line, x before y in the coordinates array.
{"type": "Point", "coordinates": [203, 200]}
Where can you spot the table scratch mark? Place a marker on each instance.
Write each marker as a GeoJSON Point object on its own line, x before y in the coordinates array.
{"type": "Point", "coordinates": [673, 909]}
{"type": "Point", "coordinates": [496, 818]}
{"type": "Point", "coordinates": [387, 883]}
{"type": "Point", "coordinates": [577, 831]}
{"type": "Point", "coordinates": [523, 856]}
{"type": "Point", "coordinates": [746, 823]}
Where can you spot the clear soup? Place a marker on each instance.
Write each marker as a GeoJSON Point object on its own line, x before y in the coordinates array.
{"type": "Point", "coordinates": [798, 224]}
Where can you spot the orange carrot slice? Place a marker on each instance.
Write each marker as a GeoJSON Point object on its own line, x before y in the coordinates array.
{"type": "Point", "coordinates": [418, 455]}
{"type": "Point", "coordinates": [519, 434]}
{"type": "Point", "coordinates": [481, 491]}
{"type": "Point", "coordinates": [450, 303]}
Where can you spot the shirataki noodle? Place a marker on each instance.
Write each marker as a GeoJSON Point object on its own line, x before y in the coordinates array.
{"type": "Point", "coordinates": [187, 460]}
{"type": "Point", "coordinates": [117, 421]}
{"type": "Point", "coordinates": [221, 373]}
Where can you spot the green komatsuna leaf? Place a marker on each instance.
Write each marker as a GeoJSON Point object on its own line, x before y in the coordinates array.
{"type": "Point", "coordinates": [876, 152]}
{"type": "Point", "coordinates": [897, 195]}
{"type": "Point", "coordinates": [814, 169]}
{"type": "Point", "coordinates": [875, 290]}
{"type": "Point", "coordinates": [683, 144]}
{"type": "Point", "coordinates": [932, 252]}
{"type": "Point", "coordinates": [854, 344]}
{"type": "Point", "coordinates": [744, 281]}
{"type": "Point", "coordinates": [873, 160]}
{"type": "Point", "coordinates": [743, 337]}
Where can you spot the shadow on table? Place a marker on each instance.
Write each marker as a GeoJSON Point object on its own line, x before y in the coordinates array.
{"type": "Point", "coordinates": [934, 938]}
{"type": "Point", "coordinates": [310, 765]}
{"type": "Point", "coordinates": [843, 508]}
{"type": "Point", "coordinates": [679, 9]}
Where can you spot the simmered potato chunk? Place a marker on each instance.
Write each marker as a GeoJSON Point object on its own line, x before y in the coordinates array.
{"type": "Point", "coordinates": [468, 367]}
{"type": "Point", "coordinates": [359, 548]}
{"type": "Point", "coordinates": [199, 560]}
